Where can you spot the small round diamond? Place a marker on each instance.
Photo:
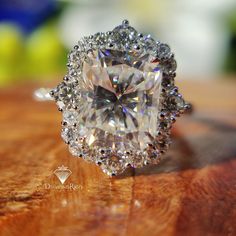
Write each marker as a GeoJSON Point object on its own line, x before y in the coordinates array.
{"type": "Point", "coordinates": [125, 35]}
{"type": "Point", "coordinates": [180, 102]}
{"type": "Point", "coordinates": [113, 164]}
{"type": "Point", "coordinates": [70, 117]}
{"type": "Point", "coordinates": [137, 160]}
{"type": "Point", "coordinates": [170, 66]}
{"type": "Point", "coordinates": [66, 95]}
{"type": "Point", "coordinates": [149, 43]}
{"type": "Point", "coordinates": [79, 149]}
{"type": "Point", "coordinates": [100, 39]}
{"type": "Point", "coordinates": [163, 52]}
{"type": "Point", "coordinates": [68, 134]}
{"type": "Point", "coordinates": [75, 149]}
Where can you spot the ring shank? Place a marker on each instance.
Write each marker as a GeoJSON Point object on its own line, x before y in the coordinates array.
{"type": "Point", "coordinates": [42, 94]}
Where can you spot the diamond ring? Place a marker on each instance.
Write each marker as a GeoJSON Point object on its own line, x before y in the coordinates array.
{"type": "Point", "coordinates": [118, 99]}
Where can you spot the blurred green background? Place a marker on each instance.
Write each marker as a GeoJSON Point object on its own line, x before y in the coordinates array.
{"type": "Point", "coordinates": [35, 36]}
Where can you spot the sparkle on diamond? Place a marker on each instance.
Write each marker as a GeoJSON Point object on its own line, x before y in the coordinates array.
{"type": "Point", "coordinates": [120, 94]}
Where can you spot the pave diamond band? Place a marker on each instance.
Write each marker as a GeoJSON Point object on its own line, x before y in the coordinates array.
{"type": "Point", "coordinates": [118, 99]}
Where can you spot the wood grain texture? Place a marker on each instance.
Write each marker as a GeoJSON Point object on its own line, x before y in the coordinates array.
{"type": "Point", "coordinates": [192, 192]}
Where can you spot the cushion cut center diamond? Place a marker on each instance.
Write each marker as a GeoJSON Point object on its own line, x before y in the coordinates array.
{"type": "Point", "coordinates": [121, 91]}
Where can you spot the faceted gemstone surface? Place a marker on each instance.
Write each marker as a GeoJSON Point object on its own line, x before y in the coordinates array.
{"type": "Point", "coordinates": [120, 99]}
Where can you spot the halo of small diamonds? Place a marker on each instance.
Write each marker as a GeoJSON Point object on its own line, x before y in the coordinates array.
{"type": "Point", "coordinates": [116, 155]}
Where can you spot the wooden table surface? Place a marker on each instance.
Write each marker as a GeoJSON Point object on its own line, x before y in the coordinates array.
{"type": "Point", "coordinates": [192, 192]}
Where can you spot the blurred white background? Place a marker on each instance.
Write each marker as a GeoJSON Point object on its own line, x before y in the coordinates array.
{"type": "Point", "coordinates": [195, 30]}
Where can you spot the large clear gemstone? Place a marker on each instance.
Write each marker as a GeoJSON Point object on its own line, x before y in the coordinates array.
{"type": "Point", "coordinates": [120, 99]}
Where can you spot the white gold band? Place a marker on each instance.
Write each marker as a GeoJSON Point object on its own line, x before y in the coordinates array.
{"type": "Point", "coordinates": [42, 94]}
